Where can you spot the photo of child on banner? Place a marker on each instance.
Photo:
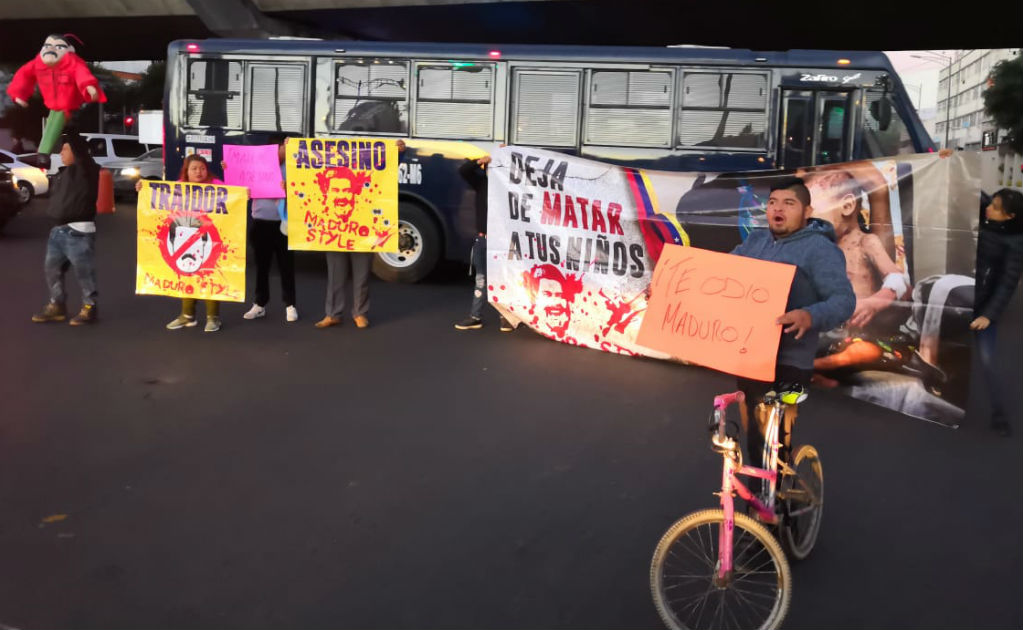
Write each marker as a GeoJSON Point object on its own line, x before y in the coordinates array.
{"type": "Point", "coordinates": [191, 241]}
{"type": "Point", "coordinates": [906, 346]}
{"type": "Point", "coordinates": [573, 244]}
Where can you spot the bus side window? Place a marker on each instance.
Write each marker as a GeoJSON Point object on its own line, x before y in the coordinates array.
{"type": "Point", "coordinates": [371, 96]}
{"type": "Point", "coordinates": [455, 101]}
{"type": "Point", "coordinates": [214, 93]}
{"type": "Point", "coordinates": [881, 140]}
{"type": "Point", "coordinates": [726, 110]}
{"type": "Point", "coordinates": [545, 108]}
{"type": "Point", "coordinates": [276, 97]}
{"type": "Point", "coordinates": [629, 108]}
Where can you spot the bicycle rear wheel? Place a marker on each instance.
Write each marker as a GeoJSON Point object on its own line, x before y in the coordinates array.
{"type": "Point", "coordinates": [802, 501]}
{"type": "Point", "coordinates": [682, 576]}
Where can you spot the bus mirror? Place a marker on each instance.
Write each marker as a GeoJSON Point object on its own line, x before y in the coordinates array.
{"type": "Point", "coordinates": [881, 110]}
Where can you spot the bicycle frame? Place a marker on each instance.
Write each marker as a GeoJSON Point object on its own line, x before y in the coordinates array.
{"type": "Point", "coordinates": [730, 482]}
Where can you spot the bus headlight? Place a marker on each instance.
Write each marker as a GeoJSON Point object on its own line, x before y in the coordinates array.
{"type": "Point", "coordinates": [129, 172]}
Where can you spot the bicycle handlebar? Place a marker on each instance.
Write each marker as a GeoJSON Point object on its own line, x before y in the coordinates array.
{"type": "Point", "coordinates": [722, 401]}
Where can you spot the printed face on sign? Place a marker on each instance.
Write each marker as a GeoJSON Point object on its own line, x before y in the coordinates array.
{"type": "Point", "coordinates": [551, 301]}
{"type": "Point", "coordinates": [189, 245]}
{"type": "Point", "coordinates": [341, 188]}
{"type": "Point", "coordinates": [552, 293]}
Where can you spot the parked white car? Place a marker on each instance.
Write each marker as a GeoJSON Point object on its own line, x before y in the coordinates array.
{"type": "Point", "coordinates": [107, 147]}
{"type": "Point", "coordinates": [31, 180]}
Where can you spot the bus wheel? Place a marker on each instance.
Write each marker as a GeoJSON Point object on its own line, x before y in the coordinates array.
{"type": "Point", "coordinates": [419, 247]}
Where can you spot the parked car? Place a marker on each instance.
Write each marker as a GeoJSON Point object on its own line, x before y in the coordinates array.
{"type": "Point", "coordinates": [30, 173]}
{"type": "Point", "coordinates": [149, 165]}
{"type": "Point", "coordinates": [107, 147]}
{"type": "Point", "coordinates": [10, 204]}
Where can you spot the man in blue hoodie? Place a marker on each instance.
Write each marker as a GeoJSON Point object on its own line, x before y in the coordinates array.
{"type": "Point", "coordinates": [820, 299]}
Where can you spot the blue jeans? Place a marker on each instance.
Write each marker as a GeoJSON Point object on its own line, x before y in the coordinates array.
{"type": "Point", "coordinates": [70, 248]}
{"type": "Point", "coordinates": [987, 349]}
{"type": "Point", "coordinates": [479, 265]}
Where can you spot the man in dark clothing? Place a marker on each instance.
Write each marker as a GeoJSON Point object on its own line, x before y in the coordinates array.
{"type": "Point", "coordinates": [474, 172]}
{"type": "Point", "coordinates": [999, 264]}
{"type": "Point", "coordinates": [73, 241]}
{"type": "Point", "coordinates": [821, 296]}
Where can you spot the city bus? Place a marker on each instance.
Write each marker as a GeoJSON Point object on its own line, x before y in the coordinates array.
{"type": "Point", "coordinates": [672, 108]}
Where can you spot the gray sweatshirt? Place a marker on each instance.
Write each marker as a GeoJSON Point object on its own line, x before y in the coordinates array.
{"type": "Point", "coordinates": [820, 286]}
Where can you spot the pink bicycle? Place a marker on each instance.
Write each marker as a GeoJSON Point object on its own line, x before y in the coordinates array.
{"type": "Point", "coordinates": [718, 569]}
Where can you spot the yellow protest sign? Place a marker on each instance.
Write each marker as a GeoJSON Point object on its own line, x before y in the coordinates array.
{"type": "Point", "coordinates": [191, 241]}
{"type": "Point", "coordinates": [342, 194]}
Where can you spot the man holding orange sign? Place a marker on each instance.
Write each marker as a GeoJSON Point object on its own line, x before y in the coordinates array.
{"type": "Point", "coordinates": [725, 312]}
{"type": "Point", "coordinates": [821, 296]}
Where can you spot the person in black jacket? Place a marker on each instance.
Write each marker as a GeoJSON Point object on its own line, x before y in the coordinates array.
{"type": "Point", "coordinates": [474, 172]}
{"type": "Point", "coordinates": [72, 241]}
{"type": "Point", "coordinates": [999, 264]}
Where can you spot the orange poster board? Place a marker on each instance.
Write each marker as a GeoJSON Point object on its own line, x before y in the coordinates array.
{"type": "Point", "coordinates": [717, 310]}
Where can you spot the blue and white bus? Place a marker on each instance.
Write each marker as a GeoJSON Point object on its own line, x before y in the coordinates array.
{"type": "Point", "coordinates": [675, 108]}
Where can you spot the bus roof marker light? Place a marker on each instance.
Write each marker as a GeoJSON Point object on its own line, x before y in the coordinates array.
{"type": "Point", "coordinates": [760, 59]}
{"type": "Point", "coordinates": [495, 54]}
{"type": "Point", "coordinates": [844, 62]}
{"type": "Point", "coordinates": [192, 48]}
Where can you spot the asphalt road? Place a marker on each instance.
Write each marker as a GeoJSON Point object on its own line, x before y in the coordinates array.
{"type": "Point", "coordinates": [413, 476]}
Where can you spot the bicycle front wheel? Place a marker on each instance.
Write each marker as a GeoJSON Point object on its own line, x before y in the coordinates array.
{"type": "Point", "coordinates": [802, 499]}
{"type": "Point", "coordinates": [684, 567]}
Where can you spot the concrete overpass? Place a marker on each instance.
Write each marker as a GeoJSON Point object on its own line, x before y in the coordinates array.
{"type": "Point", "coordinates": [141, 29]}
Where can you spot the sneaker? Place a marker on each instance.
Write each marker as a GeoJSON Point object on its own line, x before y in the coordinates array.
{"type": "Point", "coordinates": [87, 315]}
{"type": "Point", "coordinates": [362, 321]}
{"type": "Point", "coordinates": [182, 321]}
{"type": "Point", "coordinates": [291, 314]}
{"type": "Point", "coordinates": [328, 321]}
{"type": "Point", "coordinates": [472, 323]}
{"type": "Point", "coordinates": [212, 324]}
{"type": "Point", "coordinates": [52, 312]}
{"type": "Point", "coordinates": [255, 312]}
{"type": "Point", "coordinates": [506, 325]}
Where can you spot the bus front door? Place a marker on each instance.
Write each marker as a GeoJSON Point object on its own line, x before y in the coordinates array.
{"type": "Point", "coordinates": [816, 127]}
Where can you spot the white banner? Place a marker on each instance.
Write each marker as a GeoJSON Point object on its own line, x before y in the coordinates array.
{"type": "Point", "coordinates": [572, 245]}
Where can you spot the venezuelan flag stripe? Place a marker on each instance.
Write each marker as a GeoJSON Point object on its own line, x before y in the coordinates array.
{"type": "Point", "coordinates": [657, 228]}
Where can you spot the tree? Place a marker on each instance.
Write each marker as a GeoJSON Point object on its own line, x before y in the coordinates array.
{"type": "Point", "coordinates": [148, 92]}
{"type": "Point", "coordinates": [1003, 100]}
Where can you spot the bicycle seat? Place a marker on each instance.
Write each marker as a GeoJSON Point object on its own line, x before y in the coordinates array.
{"type": "Point", "coordinates": [788, 393]}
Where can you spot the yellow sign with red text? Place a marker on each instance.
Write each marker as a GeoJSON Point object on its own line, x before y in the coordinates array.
{"type": "Point", "coordinates": [191, 241]}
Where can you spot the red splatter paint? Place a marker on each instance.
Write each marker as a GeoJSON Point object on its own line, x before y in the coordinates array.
{"type": "Point", "coordinates": [622, 313]}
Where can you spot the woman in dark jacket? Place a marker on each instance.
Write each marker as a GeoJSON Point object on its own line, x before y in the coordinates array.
{"type": "Point", "coordinates": [72, 241]}
{"type": "Point", "coordinates": [999, 264]}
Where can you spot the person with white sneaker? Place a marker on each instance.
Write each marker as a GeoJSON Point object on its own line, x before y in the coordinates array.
{"type": "Point", "coordinates": [269, 241]}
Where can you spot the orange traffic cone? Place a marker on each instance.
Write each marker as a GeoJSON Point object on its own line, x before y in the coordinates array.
{"type": "Point", "coordinates": [105, 198]}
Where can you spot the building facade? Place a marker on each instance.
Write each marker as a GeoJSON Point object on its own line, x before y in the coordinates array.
{"type": "Point", "coordinates": [961, 104]}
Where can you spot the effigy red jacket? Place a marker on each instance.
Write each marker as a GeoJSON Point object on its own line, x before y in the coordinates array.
{"type": "Point", "coordinates": [62, 85]}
